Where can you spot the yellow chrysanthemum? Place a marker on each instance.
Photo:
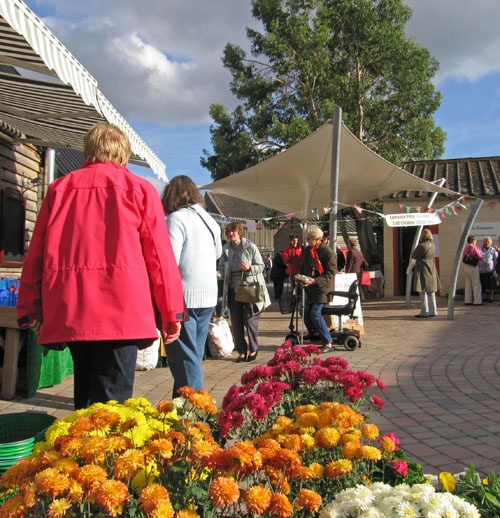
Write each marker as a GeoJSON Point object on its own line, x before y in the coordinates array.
{"type": "Point", "coordinates": [371, 453]}
{"type": "Point", "coordinates": [75, 493]}
{"type": "Point", "coordinates": [447, 481]}
{"type": "Point", "coordinates": [282, 424]}
{"type": "Point", "coordinates": [337, 468]}
{"type": "Point", "coordinates": [317, 469]}
{"type": "Point", "coordinates": [327, 437]}
{"type": "Point", "coordinates": [186, 513]}
{"type": "Point", "coordinates": [308, 500]}
{"type": "Point", "coordinates": [224, 491]}
{"type": "Point", "coordinates": [308, 442]}
{"type": "Point", "coordinates": [370, 431]}
{"type": "Point", "coordinates": [112, 496]}
{"type": "Point", "coordinates": [58, 508]}
{"type": "Point", "coordinates": [280, 506]}
{"type": "Point", "coordinates": [257, 499]}
{"type": "Point", "coordinates": [145, 476]}
{"type": "Point", "coordinates": [308, 420]}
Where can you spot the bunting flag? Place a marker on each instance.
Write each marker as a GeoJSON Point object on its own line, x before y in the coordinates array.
{"type": "Point", "coordinates": [453, 207]}
{"type": "Point", "coordinates": [492, 204]}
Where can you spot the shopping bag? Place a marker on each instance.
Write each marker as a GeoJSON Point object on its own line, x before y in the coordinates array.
{"type": "Point", "coordinates": [147, 359]}
{"type": "Point", "coordinates": [220, 338]}
{"type": "Point", "coordinates": [365, 279]}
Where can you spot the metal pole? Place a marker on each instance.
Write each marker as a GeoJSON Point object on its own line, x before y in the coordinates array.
{"type": "Point", "coordinates": [409, 277]}
{"type": "Point", "coordinates": [334, 181]}
{"type": "Point", "coordinates": [458, 257]}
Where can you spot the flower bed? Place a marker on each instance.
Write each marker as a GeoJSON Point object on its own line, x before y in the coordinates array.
{"type": "Point", "coordinates": [291, 440]}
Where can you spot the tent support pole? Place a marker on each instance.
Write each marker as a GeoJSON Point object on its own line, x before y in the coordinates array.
{"type": "Point", "coordinates": [458, 257]}
{"type": "Point", "coordinates": [416, 240]}
{"type": "Point", "coordinates": [334, 181]}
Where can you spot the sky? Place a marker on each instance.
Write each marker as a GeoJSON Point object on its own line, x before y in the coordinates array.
{"type": "Point", "coordinates": [159, 63]}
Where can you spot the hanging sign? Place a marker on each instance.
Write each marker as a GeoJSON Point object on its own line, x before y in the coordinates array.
{"type": "Point", "coordinates": [413, 219]}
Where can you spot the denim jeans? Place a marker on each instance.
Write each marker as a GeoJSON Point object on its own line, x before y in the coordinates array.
{"type": "Point", "coordinates": [185, 355]}
{"type": "Point", "coordinates": [315, 323]}
{"type": "Point", "coordinates": [103, 371]}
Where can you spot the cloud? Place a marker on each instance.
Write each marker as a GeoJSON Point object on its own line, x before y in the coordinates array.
{"type": "Point", "coordinates": [461, 34]}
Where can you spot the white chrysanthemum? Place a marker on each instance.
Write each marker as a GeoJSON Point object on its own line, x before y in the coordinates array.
{"type": "Point", "coordinates": [330, 511]}
{"type": "Point", "coordinates": [407, 509]}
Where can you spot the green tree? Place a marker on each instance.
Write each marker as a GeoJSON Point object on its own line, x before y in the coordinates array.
{"type": "Point", "coordinates": [314, 55]}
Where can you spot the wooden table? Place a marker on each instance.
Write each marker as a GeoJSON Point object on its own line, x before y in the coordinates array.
{"type": "Point", "coordinates": [12, 347]}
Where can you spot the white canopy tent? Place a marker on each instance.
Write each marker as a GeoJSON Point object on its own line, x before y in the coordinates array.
{"type": "Point", "coordinates": [56, 108]}
{"type": "Point", "coordinates": [299, 179]}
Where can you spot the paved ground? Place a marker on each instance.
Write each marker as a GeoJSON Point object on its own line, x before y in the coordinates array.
{"type": "Point", "coordinates": [442, 376]}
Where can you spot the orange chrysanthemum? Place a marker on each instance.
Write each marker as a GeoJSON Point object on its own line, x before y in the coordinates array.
{"type": "Point", "coordinates": [81, 426]}
{"type": "Point", "coordinates": [51, 483]}
{"type": "Point", "coordinates": [14, 507]}
{"type": "Point", "coordinates": [387, 444]}
{"type": "Point", "coordinates": [128, 425]}
{"type": "Point", "coordinates": [58, 508]}
{"type": "Point", "coordinates": [257, 499]}
{"type": "Point", "coordinates": [185, 392]}
{"type": "Point", "coordinates": [308, 420]}
{"type": "Point", "coordinates": [162, 448]}
{"type": "Point", "coordinates": [317, 469]}
{"type": "Point", "coordinates": [282, 424]}
{"type": "Point", "coordinates": [151, 496]}
{"type": "Point", "coordinates": [351, 450]}
{"type": "Point", "coordinates": [337, 468]}
{"type": "Point", "coordinates": [104, 418]}
{"type": "Point", "coordinates": [370, 431]}
{"type": "Point", "coordinates": [327, 437]}
{"type": "Point", "coordinates": [75, 493]}
{"type": "Point", "coordinates": [280, 506]}
{"type": "Point", "coordinates": [68, 445]}
{"type": "Point", "coordinates": [203, 401]}
{"type": "Point", "coordinates": [308, 500]}
{"type": "Point", "coordinates": [371, 453]}
{"type": "Point", "coordinates": [90, 475]}
{"type": "Point", "coordinates": [165, 407]}
{"type": "Point", "coordinates": [112, 496]}
{"type": "Point", "coordinates": [224, 491]}
{"type": "Point", "coordinates": [128, 463]}
{"type": "Point", "coordinates": [202, 450]}
{"type": "Point", "coordinates": [246, 459]}
{"type": "Point", "coordinates": [94, 450]}
{"type": "Point", "coordinates": [292, 442]}
{"type": "Point", "coordinates": [303, 409]}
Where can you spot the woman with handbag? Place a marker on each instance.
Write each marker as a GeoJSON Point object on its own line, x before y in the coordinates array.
{"type": "Point", "coordinates": [471, 256]}
{"type": "Point", "coordinates": [245, 293]}
{"type": "Point", "coordinates": [356, 263]}
{"type": "Point", "coordinates": [425, 278]}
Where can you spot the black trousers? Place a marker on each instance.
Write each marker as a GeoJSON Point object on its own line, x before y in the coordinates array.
{"type": "Point", "coordinates": [103, 371]}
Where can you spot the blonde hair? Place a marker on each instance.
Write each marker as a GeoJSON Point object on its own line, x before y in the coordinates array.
{"type": "Point", "coordinates": [426, 235]}
{"type": "Point", "coordinates": [353, 241]}
{"type": "Point", "coordinates": [105, 142]}
{"type": "Point", "coordinates": [314, 231]}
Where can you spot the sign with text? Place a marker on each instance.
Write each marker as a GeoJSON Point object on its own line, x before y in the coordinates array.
{"type": "Point", "coordinates": [343, 282]}
{"type": "Point", "coordinates": [412, 219]}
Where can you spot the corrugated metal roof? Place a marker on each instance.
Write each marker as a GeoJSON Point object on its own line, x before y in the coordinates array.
{"type": "Point", "coordinates": [479, 177]}
{"type": "Point", "coordinates": [58, 109]}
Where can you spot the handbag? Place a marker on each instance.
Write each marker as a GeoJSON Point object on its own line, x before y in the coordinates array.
{"type": "Point", "coordinates": [470, 259]}
{"type": "Point", "coordinates": [220, 339]}
{"type": "Point", "coordinates": [248, 292]}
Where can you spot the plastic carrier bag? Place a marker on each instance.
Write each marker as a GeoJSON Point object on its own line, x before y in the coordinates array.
{"type": "Point", "coordinates": [147, 359]}
{"type": "Point", "coordinates": [220, 338]}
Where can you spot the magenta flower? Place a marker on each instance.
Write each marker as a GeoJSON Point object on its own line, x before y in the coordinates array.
{"type": "Point", "coordinates": [401, 467]}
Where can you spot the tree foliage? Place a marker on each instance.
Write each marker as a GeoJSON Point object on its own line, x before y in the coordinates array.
{"type": "Point", "coordinates": [313, 55]}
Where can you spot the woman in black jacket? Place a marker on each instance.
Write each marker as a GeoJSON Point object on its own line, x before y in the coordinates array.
{"type": "Point", "coordinates": [319, 265]}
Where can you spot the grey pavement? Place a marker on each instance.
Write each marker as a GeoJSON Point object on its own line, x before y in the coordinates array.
{"type": "Point", "coordinates": [442, 376]}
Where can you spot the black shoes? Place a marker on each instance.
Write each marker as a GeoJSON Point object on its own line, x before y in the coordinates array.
{"type": "Point", "coordinates": [252, 357]}
{"type": "Point", "coordinates": [241, 359]}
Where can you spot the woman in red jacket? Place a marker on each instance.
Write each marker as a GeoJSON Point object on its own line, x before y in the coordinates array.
{"type": "Point", "coordinates": [100, 268]}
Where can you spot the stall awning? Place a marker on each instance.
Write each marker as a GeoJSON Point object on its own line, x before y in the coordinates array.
{"type": "Point", "coordinates": [57, 107]}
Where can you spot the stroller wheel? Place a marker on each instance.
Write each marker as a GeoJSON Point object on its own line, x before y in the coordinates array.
{"type": "Point", "coordinates": [351, 343]}
{"type": "Point", "coordinates": [292, 337]}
